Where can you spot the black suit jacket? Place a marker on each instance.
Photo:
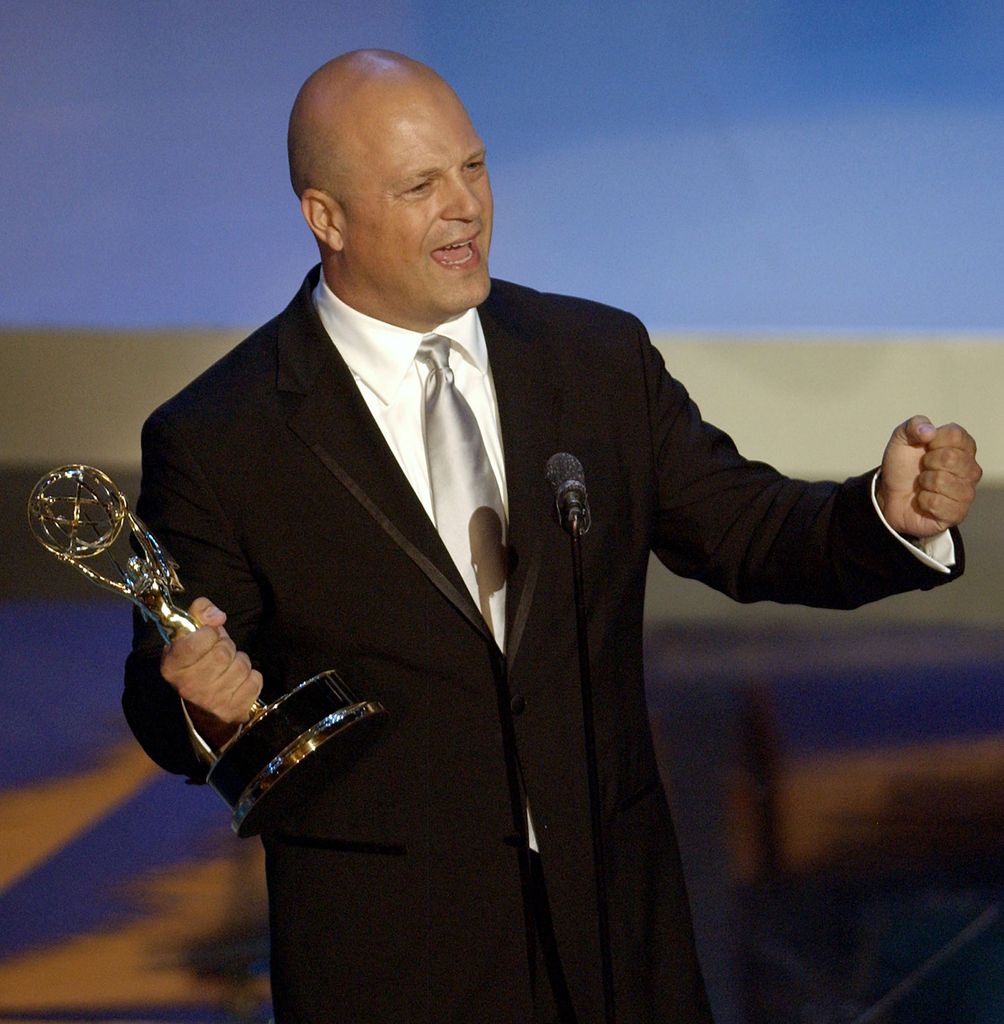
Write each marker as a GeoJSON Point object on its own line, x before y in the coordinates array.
{"type": "Point", "coordinates": [398, 897]}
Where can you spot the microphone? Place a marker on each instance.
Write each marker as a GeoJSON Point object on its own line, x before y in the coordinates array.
{"type": "Point", "coordinates": [565, 475]}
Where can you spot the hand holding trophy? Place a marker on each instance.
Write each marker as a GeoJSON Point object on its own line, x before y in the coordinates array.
{"type": "Point", "coordinates": [77, 513]}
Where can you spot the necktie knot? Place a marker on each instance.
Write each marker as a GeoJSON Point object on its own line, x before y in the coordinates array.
{"type": "Point", "coordinates": [435, 353]}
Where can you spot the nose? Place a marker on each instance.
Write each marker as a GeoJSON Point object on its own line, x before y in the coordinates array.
{"type": "Point", "coordinates": [463, 199]}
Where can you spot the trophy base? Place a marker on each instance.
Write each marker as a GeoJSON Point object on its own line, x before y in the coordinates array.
{"type": "Point", "coordinates": [255, 773]}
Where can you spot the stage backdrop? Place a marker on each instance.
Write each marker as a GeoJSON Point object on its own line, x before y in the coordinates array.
{"type": "Point", "coordinates": [725, 164]}
{"type": "Point", "coordinates": [802, 202]}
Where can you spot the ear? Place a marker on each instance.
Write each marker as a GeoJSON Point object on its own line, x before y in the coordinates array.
{"type": "Point", "coordinates": [325, 218]}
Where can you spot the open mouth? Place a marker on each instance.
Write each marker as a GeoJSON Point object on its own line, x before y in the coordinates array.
{"type": "Point", "coordinates": [455, 255]}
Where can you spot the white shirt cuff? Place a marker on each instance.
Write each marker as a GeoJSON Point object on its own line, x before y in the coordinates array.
{"type": "Point", "coordinates": [937, 552]}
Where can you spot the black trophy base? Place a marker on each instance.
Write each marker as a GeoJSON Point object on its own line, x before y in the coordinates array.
{"type": "Point", "coordinates": [318, 721]}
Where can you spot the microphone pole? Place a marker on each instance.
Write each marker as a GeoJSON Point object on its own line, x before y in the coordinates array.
{"type": "Point", "coordinates": [565, 474]}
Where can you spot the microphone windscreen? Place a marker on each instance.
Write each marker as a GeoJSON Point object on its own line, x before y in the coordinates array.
{"type": "Point", "coordinates": [563, 469]}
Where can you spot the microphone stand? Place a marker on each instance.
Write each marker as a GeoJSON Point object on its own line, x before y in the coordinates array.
{"type": "Point", "coordinates": [575, 526]}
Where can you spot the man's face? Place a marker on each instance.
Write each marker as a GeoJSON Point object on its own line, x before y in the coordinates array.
{"type": "Point", "coordinates": [417, 210]}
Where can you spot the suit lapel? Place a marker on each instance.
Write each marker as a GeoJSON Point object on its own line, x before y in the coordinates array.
{"type": "Point", "coordinates": [327, 412]}
{"type": "Point", "coordinates": [528, 411]}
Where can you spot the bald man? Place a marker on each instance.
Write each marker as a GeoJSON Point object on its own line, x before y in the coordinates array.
{"type": "Point", "coordinates": [447, 875]}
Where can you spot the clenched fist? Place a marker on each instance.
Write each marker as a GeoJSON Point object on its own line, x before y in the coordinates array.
{"type": "Point", "coordinates": [929, 477]}
{"type": "Point", "coordinates": [215, 680]}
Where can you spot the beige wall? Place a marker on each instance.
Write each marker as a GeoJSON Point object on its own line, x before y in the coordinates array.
{"type": "Point", "coordinates": [820, 406]}
{"type": "Point", "coordinates": [813, 406]}
{"type": "Point", "coordinates": [82, 396]}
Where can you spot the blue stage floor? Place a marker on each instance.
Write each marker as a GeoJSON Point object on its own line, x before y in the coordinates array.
{"type": "Point", "coordinates": [124, 896]}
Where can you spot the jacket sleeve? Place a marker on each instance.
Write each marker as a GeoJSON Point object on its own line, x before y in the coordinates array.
{"type": "Point", "coordinates": [754, 534]}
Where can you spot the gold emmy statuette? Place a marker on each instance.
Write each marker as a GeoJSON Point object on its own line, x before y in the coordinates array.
{"type": "Point", "coordinates": [77, 513]}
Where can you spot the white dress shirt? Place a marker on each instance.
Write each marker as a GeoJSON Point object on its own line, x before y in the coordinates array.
{"type": "Point", "coordinates": [391, 380]}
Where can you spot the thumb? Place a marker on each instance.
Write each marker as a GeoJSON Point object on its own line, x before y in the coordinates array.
{"type": "Point", "coordinates": [205, 613]}
{"type": "Point", "coordinates": [918, 430]}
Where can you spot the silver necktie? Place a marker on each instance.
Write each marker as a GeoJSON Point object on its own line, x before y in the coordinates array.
{"type": "Point", "coordinates": [466, 499]}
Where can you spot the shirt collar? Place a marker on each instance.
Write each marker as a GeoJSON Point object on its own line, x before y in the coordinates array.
{"type": "Point", "coordinates": [381, 354]}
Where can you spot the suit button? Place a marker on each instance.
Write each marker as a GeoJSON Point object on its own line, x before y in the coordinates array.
{"type": "Point", "coordinates": [517, 704]}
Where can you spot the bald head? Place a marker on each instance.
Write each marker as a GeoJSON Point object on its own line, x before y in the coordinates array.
{"type": "Point", "coordinates": [333, 109]}
{"type": "Point", "coordinates": [393, 184]}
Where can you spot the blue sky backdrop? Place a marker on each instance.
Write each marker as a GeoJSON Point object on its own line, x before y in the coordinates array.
{"type": "Point", "coordinates": [726, 165]}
